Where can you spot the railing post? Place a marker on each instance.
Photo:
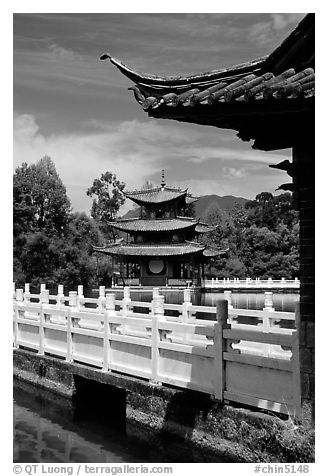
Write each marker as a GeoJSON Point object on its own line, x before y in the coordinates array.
{"type": "Point", "coordinates": [157, 315]}
{"type": "Point", "coordinates": [80, 297]}
{"type": "Point", "coordinates": [266, 323]}
{"type": "Point", "coordinates": [19, 298]}
{"type": "Point", "coordinates": [41, 326]}
{"type": "Point", "coordinates": [186, 305]}
{"type": "Point", "coordinates": [44, 295]}
{"type": "Point", "coordinates": [69, 335]}
{"type": "Point", "coordinates": [19, 295]}
{"type": "Point", "coordinates": [60, 296]}
{"type": "Point", "coordinates": [101, 299]}
{"type": "Point", "coordinates": [72, 298]}
{"type": "Point", "coordinates": [155, 292]}
{"type": "Point", "coordinates": [109, 311]}
{"type": "Point", "coordinates": [219, 345]}
{"type": "Point", "coordinates": [295, 361]}
{"type": "Point", "coordinates": [27, 294]}
{"type": "Point", "coordinates": [228, 298]}
{"type": "Point", "coordinates": [227, 295]}
{"type": "Point", "coordinates": [126, 301]}
{"type": "Point", "coordinates": [72, 303]}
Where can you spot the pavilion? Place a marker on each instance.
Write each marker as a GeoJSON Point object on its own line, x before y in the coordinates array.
{"type": "Point", "coordinates": [271, 102]}
{"type": "Point", "coordinates": [160, 247]}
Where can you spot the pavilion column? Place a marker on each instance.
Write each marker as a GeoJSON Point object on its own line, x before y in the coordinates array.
{"type": "Point", "coordinates": [303, 160]}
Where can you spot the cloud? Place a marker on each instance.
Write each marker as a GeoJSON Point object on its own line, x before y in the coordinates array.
{"type": "Point", "coordinates": [63, 53]}
{"type": "Point", "coordinates": [283, 20]}
{"type": "Point", "coordinates": [271, 31]}
{"type": "Point", "coordinates": [137, 151]}
{"type": "Point", "coordinates": [231, 172]}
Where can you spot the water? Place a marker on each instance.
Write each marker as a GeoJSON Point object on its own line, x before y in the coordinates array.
{"type": "Point", "coordinates": [281, 301]}
{"type": "Point", "coordinates": [47, 429]}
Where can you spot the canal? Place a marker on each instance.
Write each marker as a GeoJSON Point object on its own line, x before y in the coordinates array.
{"type": "Point", "coordinates": [52, 429]}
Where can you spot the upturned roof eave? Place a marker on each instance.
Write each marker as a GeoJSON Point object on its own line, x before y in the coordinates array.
{"type": "Point", "coordinates": [259, 65]}
{"type": "Point", "coordinates": [180, 81]}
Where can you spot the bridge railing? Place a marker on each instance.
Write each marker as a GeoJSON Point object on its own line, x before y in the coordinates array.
{"type": "Point", "coordinates": [251, 283]}
{"type": "Point", "coordinates": [254, 364]}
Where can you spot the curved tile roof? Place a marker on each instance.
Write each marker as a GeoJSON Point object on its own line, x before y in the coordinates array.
{"type": "Point", "coordinates": [156, 195]}
{"type": "Point", "coordinates": [273, 93]}
{"type": "Point", "coordinates": [211, 252]}
{"type": "Point", "coordinates": [285, 73]}
{"type": "Point", "coordinates": [159, 250]}
{"type": "Point", "coordinates": [205, 228]}
{"type": "Point", "coordinates": [138, 225]}
{"type": "Point", "coordinates": [252, 87]}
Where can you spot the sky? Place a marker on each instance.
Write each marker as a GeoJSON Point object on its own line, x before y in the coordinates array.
{"type": "Point", "coordinates": [75, 108]}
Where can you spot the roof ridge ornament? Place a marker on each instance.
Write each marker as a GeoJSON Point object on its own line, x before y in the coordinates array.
{"type": "Point", "coordinates": [163, 183]}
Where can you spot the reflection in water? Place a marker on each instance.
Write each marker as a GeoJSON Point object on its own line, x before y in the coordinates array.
{"type": "Point", "coordinates": [281, 301]}
{"type": "Point", "coordinates": [48, 430]}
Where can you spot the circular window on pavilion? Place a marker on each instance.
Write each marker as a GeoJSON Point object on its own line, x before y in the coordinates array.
{"type": "Point", "coordinates": [156, 266]}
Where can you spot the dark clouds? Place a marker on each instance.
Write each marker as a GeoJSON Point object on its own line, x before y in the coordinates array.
{"type": "Point", "coordinates": [77, 109]}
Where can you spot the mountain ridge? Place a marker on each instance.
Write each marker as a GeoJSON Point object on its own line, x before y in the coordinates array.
{"type": "Point", "coordinates": [205, 205]}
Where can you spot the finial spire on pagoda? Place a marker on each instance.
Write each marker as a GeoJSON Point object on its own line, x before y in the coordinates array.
{"type": "Point", "coordinates": [163, 180]}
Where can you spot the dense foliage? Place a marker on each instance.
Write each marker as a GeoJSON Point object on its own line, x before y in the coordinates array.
{"type": "Point", "coordinates": [52, 245]}
{"type": "Point", "coordinates": [263, 238]}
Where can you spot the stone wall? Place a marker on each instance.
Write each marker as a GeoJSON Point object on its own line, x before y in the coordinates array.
{"type": "Point", "coordinates": [220, 433]}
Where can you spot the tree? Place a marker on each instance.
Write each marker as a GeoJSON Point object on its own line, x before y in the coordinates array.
{"type": "Point", "coordinates": [40, 199]}
{"type": "Point", "coordinates": [108, 197]}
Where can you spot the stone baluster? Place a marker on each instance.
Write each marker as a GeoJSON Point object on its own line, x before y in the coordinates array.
{"type": "Point", "coordinates": [157, 315]}
{"type": "Point", "coordinates": [186, 305]}
{"type": "Point", "coordinates": [108, 329]}
{"type": "Point", "coordinates": [44, 295]}
{"type": "Point", "coordinates": [60, 296]}
{"type": "Point", "coordinates": [283, 281]}
{"type": "Point", "coordinates": [268, 301]}
{"type": "Point", "coordinates": [72, 295]}
{"type": "Point", "coordinates": [101, 299]}
{"type": "Point", "coordinates": [27, 294]}
{"type": "Point", "coordinates": [228, 298]}
{"type": "Point", "coordinates": [270, 282]}
{"type": "Point", "coordinates": [126, 301]}
{"type": "Point", "coordinates": [155, 292]}
{"type": "Point", "coordinates": [266, 323]}
{"type": "Point", "coordinates": [227, 295]}
{"type": "Point", "coordinates": [80, 297]}
{"type": "Point", "coordinates": [110, 303]}
{"type": "Point", "coordinates": [19, 295]}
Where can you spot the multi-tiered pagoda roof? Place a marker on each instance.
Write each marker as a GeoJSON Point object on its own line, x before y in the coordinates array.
{"type": "Point", "coordinates": [161, 238]}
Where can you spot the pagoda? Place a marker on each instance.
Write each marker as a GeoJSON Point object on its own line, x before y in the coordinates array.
{"type": "Point", "coordinates": [161, 245]}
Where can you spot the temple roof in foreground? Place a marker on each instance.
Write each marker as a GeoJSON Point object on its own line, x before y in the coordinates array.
{"type": "Point", "coordinates": [269, 99]}
{"type": "Point", "coordinates": [156, 250]}
{"type": "Point", "coordinates": [135, 225]}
